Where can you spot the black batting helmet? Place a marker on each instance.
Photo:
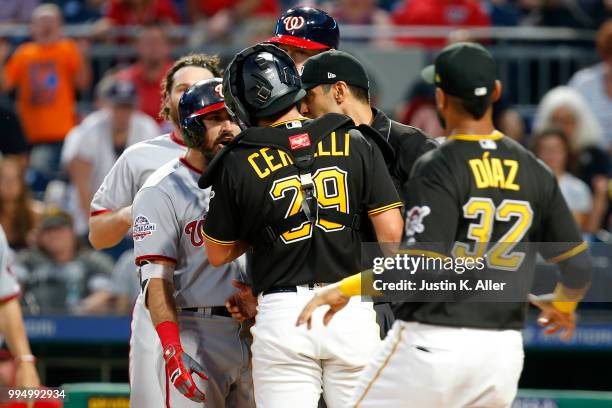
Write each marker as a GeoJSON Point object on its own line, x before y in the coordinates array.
{"type": "Point", "coordinates": [260, 82]}
{"type": "Point", "coordinates": [307, 27]}
{"type": "Point", "coordinates": [200, 99]}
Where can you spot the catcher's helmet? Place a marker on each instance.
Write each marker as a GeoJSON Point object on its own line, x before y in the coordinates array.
{"type": "Point", "coordinates": [261, 81]}
{"type": "Point", "coordinates": [200, 99]}
{"type": "Point", "coordinates": [306, 27]}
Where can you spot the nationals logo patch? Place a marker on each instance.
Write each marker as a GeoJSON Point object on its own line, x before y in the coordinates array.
{"type": "Point", "coordinates": [142, 228]}
{"type": "Point", "coordinates": [414, 220]}
{"type": "Point", "coordinates": [299, 141]}
{"type": "Point", "coordinates": [293, 23]}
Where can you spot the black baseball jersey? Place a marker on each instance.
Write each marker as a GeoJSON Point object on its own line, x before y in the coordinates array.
{"type": "Point", "coordinates": [473, 192]}
{"type": "Point", "coordinates": [258, 186]}
{"type": "Point", "coordinates": [407, 142]}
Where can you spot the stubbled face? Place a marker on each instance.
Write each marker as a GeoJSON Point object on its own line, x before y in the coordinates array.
{"type": "Point", "coordinates": [552, 152]}
{"type": "Point", "coordinates": [220, 130]}
{"type": "Point", "coordinates": [182, 80]}
{"type": "Point", "coordinates": [298, 55]}
{"type": "Point", "coordinates": [318, 102]}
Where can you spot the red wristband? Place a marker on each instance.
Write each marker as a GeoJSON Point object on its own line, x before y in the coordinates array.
{"type": "Point", "coordinates": [168, 333]}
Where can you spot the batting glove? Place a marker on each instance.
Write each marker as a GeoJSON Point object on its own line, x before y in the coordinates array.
{"type": "Point", "coordinates": [180, 369]}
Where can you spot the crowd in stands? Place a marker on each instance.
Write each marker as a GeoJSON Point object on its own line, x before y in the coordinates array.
{"type": "Point", "coordinates": [54, 157]}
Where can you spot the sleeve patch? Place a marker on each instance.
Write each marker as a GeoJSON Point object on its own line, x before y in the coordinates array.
{"type": "Point", "coordinates": [414, 220]}
{"type": "Point", "coordinates": [142, 228]}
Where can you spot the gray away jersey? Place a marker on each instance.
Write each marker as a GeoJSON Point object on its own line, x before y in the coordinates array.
{"type": "Point", "coordinates": [169, 213]}
{"type": "Point", "coordinates": [9, 288]}
{"type": "Point", "coordinates": [131, 170]}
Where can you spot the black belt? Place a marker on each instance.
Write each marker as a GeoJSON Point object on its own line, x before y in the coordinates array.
{"type": "Point", "coordinates": [212, 311]}
{"type": "Point", "coordinates": [288, 289]}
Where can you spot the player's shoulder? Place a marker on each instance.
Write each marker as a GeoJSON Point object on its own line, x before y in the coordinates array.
{"type": "Point", "coordinates": [160, 142]}
{"type": "Point", "coordinates": [162, 177]}
{"type": "Point", "coordinates": [586, 76]}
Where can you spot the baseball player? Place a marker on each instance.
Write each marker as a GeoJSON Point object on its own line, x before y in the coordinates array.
{"type": "Point", "coordinates": [204, 357]}
{"type": "Point", "coordinates": [305, 31]}
{"type": "Point", "coordinates": [294, 191]}
{"type": "Point", "coordinates": [111, 213]}
{"type": "Point", "coordinates": [11, 322]}
{"type": "Point", "coordinates": [470, 354]}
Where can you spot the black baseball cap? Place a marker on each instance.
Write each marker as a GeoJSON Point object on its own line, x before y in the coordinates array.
{"type": "Point", "coordinates": [465, 70]}
{"type": "Point", "coordinates": [122, 92]}
{"type": "Point", "coordinates": [332, 66]}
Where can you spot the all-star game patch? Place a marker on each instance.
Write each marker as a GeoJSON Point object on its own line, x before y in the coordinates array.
{"type": "Point", "coordinates": [142, 228]}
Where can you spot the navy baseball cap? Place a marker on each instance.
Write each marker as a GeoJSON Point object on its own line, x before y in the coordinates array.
{"type": "Point", "coordinates": [306, 27]}
{"type": "Point", "coordinates": [332, 66]}
{"type": "Point", "coordinates": [465, 70]}
{"type": "Point", "coordinates": [122, 92]}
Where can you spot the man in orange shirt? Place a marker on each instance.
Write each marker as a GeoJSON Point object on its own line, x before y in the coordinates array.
{"type": "Point", "coordinates": [46, 73]}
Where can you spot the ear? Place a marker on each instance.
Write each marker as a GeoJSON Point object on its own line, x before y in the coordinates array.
{"type": "Point", "coordinates": [340, 91]}
{"type": "Point", "coordinates": [497, 92]}
{"type": "Point", "coordinates": [441, 99]}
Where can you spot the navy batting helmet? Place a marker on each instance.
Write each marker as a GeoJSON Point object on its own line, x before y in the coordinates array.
{"type": "Point", "coordinates": [261, 81]}
{"type": "Point", "coordinates": [200, 99]}
{"type": "Point", "coordinates": [307, 27]}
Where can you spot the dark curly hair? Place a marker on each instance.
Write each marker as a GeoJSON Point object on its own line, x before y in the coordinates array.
{"type": "Point", "coordinates": [209, 62]}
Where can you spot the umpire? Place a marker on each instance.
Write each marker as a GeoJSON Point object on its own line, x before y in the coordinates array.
{"type": "Point", "coordinates": [295, 191]}
{"type": "Point", "coordinates": [335, 81]}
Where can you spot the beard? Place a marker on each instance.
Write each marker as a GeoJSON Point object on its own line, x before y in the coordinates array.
{"type": "Point", "coordinates": [209, 149]}
{"type": "Point", "coordinates": [174, 116]}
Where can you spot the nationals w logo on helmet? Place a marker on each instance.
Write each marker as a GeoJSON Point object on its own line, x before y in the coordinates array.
{"type": "Point", "coordinates": [293, 23]}
{"type": "Point", "coordinates": [219, 90]}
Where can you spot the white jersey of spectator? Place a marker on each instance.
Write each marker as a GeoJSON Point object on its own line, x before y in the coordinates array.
{"type": "Point", "coordinates": [91, 141]}
{"type": "Point", "coordinates": [589, 82]}
{"type": "Point", "coordinates": [169, 213]}
{"type": "Point", "coordinates": [576, 193]}
{"type": "Point", "coordinates": [132, 169]}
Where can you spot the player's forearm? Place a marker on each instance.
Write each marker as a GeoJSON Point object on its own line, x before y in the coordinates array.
{"type": "Point", "coordinates": [389, 227]}
{"type": "Point", "coordinates": [160, 301]}
{"type": "Point", "coordinates": [11, 326]}
{"type": "Point", "coordinates": [108, 229]}
{"type": "Point", "coordinates": [221, 254]}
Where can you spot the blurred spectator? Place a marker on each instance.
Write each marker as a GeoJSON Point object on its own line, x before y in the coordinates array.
{"type": "Point", "coordinates": [92, 148]}
{"type": "Point", "coordinates": [595, 83]}
{"type": "Point", "coordinates": [17, 11]}
{"type": "Point", "coordinates": [80, 11]}
{"type": "Point", "coordinates": [60, 274]}
{"type": "Point", "coordinates": [19, 214]}
{"type": "Point", "coordinates": [217, 18]}
{"type": "Point", "coordinates": [502, 12]}
{"type": "Point", "coordinates": [362, 12]}
{"type": "Point", "coordinates": [12, 138]}
{"type": "Point", "coordinates": [441, 13]}
{"type": "Point", "coordinates": [126, 284]}
{"type": "Point", "coordinates": [565, 109]}
{"type": "Point", "coordinates": [553, 147]}
{"type": "Point", "coordinates": [138, 12]}
{"type": "Point", "coordinates": [560, 13]}
{"type": "Point", "coordinates": [153, 49]}
{"type": "Point", "coordinates": [420, 109]}
{"type": "Point", "coordinates": [46, 74]}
